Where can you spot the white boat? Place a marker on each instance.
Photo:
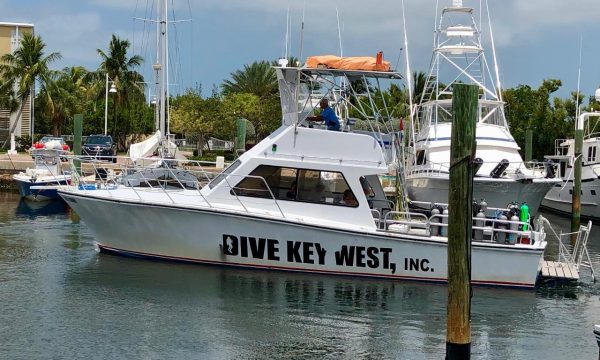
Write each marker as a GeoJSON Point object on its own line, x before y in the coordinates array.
{"type": "Point", "coordinates": [296, 201]}
{"type": "Point", "coordinates": [502, 177]}
{"type": "Point", "coordinates": [559, 198]}
{"type": "Point", "coordinates": [37, 183]}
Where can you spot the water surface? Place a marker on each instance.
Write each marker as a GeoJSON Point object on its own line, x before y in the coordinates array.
{"type": "Point", "coordinates": [62, 300]}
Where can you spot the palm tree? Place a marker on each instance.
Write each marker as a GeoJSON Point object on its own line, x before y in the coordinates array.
{"type": "Point", "coordinates": [257, 78]}
{"type": "Point", "coordinates": [419, 79]}
{"type": "Point", "coordinates": [64, 96]}
{"type": "Point", "coordinates": [24, 67]}
{"type": "Point", "coordinates": [121, 71]}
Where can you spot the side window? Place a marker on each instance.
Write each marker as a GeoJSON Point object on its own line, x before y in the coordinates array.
{"type": "Point", "coordinates": [421, 158]}
{"type": "Point", "coordinates": [324, 187]}
{"type": "Point", "coordinates": [592, 154]}
{"type": "Point", "coordinates": [303, 185]}
{"type": "Point", "coordinates": [280, 181]}
{"type": "Point", "coordinates": [224, 174]}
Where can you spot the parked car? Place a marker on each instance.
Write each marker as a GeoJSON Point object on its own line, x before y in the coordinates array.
{"type": "Point", "coordinates": [100, 147]}
{"type": "Point", "coordinates": [49, 142]}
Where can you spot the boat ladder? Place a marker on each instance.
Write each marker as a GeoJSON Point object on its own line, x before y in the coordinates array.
{"type": "Point", "coordinates": [570, 262]}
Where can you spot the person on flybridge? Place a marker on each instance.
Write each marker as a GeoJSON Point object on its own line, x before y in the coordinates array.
{"type": "Point", "coordinates": [327, 115]}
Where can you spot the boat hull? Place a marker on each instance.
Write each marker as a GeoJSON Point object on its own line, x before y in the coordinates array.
{"type": "Point", "coordinates": [497, 193]}
{"type": "Point", "coordinates": [218, 237]}
{"type": "Point", "coordinates": [24, 186]}
{"type": "Point", "coordinates": [559, 199]}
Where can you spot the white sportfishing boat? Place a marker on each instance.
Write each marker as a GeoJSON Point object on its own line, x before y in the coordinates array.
{"type": "Point", "coordinates": [559, 198]}
{"type": "Point", "coordinates": [297, 201]}
{"type": "Point", "coordinates": [501, 175]}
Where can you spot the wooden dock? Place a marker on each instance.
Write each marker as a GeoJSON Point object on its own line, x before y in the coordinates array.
{"type": "Point", "coordinates": [558, 271]}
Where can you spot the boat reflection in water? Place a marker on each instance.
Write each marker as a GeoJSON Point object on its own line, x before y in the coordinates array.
{"type": "Point", "coordinates": [33, 209]}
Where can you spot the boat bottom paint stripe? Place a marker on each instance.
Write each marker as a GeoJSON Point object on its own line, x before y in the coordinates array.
{"type": "Point", "coordinates": [136, 254]}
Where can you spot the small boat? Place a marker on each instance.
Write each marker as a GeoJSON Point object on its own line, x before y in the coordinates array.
{"type": "Point", "coordinates": [305, 200]}
{"type": "Point", "coordinates": [559, 198]}
{"type": "Point", "coordinates": [501, 175]}
{"type": "Point", "coordinates": [38, 183]}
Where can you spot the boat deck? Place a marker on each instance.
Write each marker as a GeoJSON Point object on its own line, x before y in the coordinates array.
{"type": "Point", "coordinates": [558, 271]}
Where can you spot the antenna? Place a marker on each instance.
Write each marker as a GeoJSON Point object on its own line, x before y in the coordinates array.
{"type": "Point", "coordinates": [287, 31]}
{"type": "Point", "coordinates": [337, 14]}
{"type": "Point", "coordinates": [283, 62]}
{"type": "Point", "coordinates": [496, 71]}
{"type": "Point", "coordinates": [302, 32]}
{"type": "Point", "coordinates": [409, 79]}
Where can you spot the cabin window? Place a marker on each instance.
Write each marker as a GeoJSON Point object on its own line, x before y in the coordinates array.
{"type": "Point", "coordinates": [278, 180]}
{"type": "Point", "coordinates": [326, 187]}
{"type": "Point", "coordinates": [563, 168]}
{"type": "Point", "coordinates": [593, 192]}
{"type": "Point", "coordinates": [592, 153]}
{"type": "Point", "coordinates": [421, 158]}
{"type": "Point", "coordinates": [224, 174]}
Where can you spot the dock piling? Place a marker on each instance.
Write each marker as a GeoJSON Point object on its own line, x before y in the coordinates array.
{"type": "Point", "coordinates": [576, 196]}
{"type": "Point", "coordinates": [462, 154]}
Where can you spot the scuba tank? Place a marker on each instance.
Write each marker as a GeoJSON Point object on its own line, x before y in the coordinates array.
{"type": "Point", "coordinates": [483, 206]}
{"type": "Point", "coordinates": [500, 235]}
{"type": "Point", "coordinates": [514, 227]}
{"type": "Point", "coordinates": [525, 215]}
{"type": "Point", "coordinates": [434, 230]}
{"type": "Point", "coordinates": [480, 222]}
{"type": "Point", "coordinates": [444, 229]}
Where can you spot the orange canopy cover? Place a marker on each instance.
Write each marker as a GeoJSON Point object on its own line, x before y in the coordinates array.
{"type": "Point", "coordinates": [367, 63]}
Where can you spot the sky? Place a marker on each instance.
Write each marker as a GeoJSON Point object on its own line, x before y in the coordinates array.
{"type": "Point", "coordinates": [535, 39]}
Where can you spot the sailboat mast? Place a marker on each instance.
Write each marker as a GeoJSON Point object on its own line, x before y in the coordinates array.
{"type": "Point", "coordinates": [160, 65]}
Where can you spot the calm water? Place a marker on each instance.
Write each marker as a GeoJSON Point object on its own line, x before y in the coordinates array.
{"type": "Point", "coordinates": [62, 300]}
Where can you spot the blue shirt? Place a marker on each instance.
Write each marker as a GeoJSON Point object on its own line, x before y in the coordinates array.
{"type": "Point", "coordinates": [331, 120]}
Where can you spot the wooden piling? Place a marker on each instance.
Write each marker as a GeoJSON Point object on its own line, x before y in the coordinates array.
{"type": "Point", "coordinates": [77, 128]}
{"type": "Point", "coordinates": [576, 196]}
{"type": "Point", "coordinates": [462, 153]}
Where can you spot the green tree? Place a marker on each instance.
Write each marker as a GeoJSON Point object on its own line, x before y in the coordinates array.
{"type": "Point", "coordinates": [257, 78]}
{"type": "Point", "coordinates": [63, 96]}
{"type": "Point", "coordinates": [24, 67]}
{"type": "Point", "coordinates": [194, 116]}
{"type": "Point", "coordinates": [533, 109]}
{"type": "Point", "coordinates": [128, 82]}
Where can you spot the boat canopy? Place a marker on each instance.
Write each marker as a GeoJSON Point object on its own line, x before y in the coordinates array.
{"type": "Point", "coordinates": [366, 63]}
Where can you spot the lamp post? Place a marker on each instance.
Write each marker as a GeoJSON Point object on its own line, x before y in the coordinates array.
{"type": "Point", "coordinates": [113, 89]}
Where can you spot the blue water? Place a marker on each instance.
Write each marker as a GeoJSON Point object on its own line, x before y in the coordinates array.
{"type": "Point", "coordinates": [62, 300]}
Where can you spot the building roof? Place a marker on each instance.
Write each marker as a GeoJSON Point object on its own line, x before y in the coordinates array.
{"type": "Point", "coordinates": [2, 23]}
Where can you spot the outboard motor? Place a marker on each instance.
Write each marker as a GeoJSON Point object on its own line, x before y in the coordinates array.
{"type": "Point", "coordinates": [549, 166]}
{"type": "Point", "coordinates": [477, 165]}
{"type": "Point", "coordinates": [499, 169]}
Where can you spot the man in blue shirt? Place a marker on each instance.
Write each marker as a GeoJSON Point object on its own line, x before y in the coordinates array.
{"type": "Point", "coordinates": [327, 115]}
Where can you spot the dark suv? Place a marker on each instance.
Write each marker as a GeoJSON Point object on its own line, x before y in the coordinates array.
{"type": "Point", "coordinates": [100, 147]}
